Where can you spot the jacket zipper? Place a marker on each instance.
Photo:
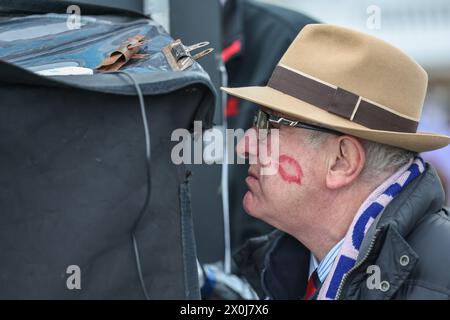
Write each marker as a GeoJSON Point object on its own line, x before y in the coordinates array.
{"type": "Point", "coordinates": [372, 243]}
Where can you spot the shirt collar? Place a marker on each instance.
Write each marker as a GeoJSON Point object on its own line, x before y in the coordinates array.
{"type": "Point", "coordinates": [323, 267]}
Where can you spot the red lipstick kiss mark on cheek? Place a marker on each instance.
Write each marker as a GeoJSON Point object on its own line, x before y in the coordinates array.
{"type": "Point", "coordinates": [290, 170]}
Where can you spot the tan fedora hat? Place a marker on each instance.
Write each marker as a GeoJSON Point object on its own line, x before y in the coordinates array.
{"type": "Point", "coordinates": [351, 82]}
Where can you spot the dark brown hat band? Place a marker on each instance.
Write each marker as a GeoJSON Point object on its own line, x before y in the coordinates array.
{"type": "Point", "coordinates": [339, 101]}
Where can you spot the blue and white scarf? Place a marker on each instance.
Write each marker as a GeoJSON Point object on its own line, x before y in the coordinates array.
{"type": "Point", "coordinates": [368, 212]}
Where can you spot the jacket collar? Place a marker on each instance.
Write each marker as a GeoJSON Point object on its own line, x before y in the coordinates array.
{"type": "Point", "coordinates": [385, 243]}
{"type": "Point", "coordinates": [423, 195]}
{"type": "Point", "coordinates": [233, 27]}
{"type": "Point", "coordinates": [285, 273]}
{"type": "Point", "coordinates": [426, 192]}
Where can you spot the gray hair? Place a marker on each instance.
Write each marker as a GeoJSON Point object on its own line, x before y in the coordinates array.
{"type": "Point", "coordinates": [380, 158]}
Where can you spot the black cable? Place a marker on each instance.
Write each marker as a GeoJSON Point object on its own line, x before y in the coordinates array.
{"type": "Point", "coordinates": [148, 165]}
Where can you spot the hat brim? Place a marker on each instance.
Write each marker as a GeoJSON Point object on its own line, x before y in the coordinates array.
{"type": "Point", "coordinates": [298, 109]}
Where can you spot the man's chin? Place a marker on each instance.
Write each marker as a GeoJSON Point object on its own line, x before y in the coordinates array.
{"type": "Point", "coordinates": [249, 204]}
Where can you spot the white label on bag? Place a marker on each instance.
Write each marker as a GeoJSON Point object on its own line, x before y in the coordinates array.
{"type": "Point", "coordinates": [65, 71]}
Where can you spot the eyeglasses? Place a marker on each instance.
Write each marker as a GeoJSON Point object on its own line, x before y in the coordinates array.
{"type": "Point", "coordinates": [263, 120]}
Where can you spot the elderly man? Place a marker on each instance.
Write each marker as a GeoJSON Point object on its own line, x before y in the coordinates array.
{"type": "Point", "coordinates": [359, 214]}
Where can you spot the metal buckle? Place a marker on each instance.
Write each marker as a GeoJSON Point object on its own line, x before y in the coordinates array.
{"type": "Point", "coordinates": [179, 56]}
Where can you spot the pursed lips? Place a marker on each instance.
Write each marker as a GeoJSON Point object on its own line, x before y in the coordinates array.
{"type": "Point", "coordinates": [251, 173]}
{"type": "Point", "coordinates": [252, 179]}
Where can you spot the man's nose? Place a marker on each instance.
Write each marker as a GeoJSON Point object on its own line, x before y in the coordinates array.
{"type": "Point", "coordinates": [248, 145]}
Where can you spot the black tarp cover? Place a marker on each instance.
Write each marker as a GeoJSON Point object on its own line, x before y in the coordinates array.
{"type": "Point", "coordinates": [72, 159]}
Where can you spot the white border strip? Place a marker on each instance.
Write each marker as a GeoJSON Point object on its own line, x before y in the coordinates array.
{"type": "Point", "coordinates": [308, 76]}
{"type": "Point", "coordinates": [356, 108]}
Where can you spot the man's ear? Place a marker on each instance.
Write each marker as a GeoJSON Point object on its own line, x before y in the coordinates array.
{"type": "Point", "coordinates": [346, 161]}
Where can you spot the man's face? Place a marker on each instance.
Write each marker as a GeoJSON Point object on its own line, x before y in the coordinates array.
{"type": "Point", "coordinates": [299, 172]}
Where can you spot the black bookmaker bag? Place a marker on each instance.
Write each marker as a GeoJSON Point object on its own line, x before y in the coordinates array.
{"type": "Point", "coordinates": [91, 205]}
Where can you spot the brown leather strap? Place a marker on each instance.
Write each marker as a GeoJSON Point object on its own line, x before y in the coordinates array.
{"type": "Point", "coordinates": [339, 101]}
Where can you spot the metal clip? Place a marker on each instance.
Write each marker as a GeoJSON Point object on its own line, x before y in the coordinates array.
{"type": "Point", "coordinates": [179, 56]}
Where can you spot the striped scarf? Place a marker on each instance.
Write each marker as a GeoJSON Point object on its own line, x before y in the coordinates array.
{"type": "Point", "coordinates": [368, 212]}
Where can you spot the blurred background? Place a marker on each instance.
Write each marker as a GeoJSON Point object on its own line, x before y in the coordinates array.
{"type": "Point", "coordinates": [249, 36]}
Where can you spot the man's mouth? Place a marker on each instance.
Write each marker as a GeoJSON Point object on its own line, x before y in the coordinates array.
{"type": "Point", "coordinates": [252, 180]}
{"type": "Point", "coordinates": [252, 173]}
